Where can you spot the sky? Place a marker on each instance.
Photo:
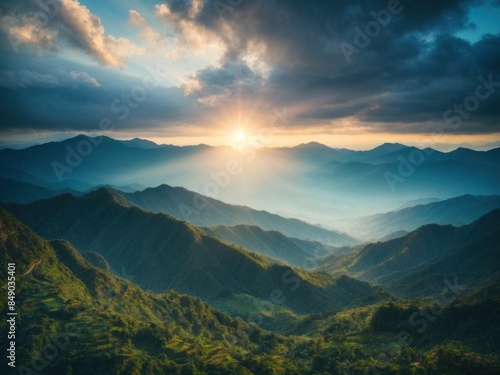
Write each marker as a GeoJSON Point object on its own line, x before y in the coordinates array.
{"type": "Point", "coordinates": [255, 72]}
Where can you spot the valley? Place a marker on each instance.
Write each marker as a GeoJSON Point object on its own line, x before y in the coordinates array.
{"type": "Point", "coordinates": [165, 279]}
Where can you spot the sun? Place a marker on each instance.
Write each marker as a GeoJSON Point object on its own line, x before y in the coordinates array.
{"type": "Point", "coordinates": [239, 136]}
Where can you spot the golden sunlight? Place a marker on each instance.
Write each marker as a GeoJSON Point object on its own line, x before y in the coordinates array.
{"type": "Point", "coordinates": [239, 136]}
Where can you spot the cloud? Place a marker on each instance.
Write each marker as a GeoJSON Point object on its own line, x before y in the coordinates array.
{"type": "Point", "coordinates": [84, 79]}
{"type": "Point", "coordinates": [56, 94]}
{"type": "Point", "coordinates": [192, 37]}
{"type": "Point", "coordinates": [24, 79]}
{"type": "Point", "coordinates": [67, 23]}
{"type": "Point", "coordinates": [212, 85]}
{"type": "Point", "coordinates": [280, 53]}
{"type": "Point", "coordinates": [412, 71]}
{"type": "Point", "coordinates": [152, 39]}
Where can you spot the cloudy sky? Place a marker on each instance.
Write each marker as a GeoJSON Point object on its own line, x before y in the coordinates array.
{"type": "Point", "coordinates": [271, 72]}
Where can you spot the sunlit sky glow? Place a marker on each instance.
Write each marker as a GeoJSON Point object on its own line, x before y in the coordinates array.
{"type": "Point", "coordinates": [269, 73]}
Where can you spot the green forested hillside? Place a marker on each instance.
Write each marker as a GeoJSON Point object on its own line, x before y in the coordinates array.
{"type": "Point", "coordinates": [417, 263]}
{"type": "Point", "coordinates": [209, 212]}
{"type": "Point", "coordinates": [456, 211]}
{"type": "Point", "coordinates": [105, 325]}
{"type": "Point", "coordinates": [77, 319]}
{"type": "Point", "coordinates": [163, 253]}
{"type": "Point", "coordinates": [273, 244]}
{"type": "Point", "coordinates": [24, 192]}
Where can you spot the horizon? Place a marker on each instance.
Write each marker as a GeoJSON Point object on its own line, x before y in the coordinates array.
{"type": "Point", "coordinates": [441, 147]}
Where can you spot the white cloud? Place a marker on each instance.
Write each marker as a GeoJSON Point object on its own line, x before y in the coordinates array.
{"type": "Point", "coordinates": [150, 37]}
{"type": "Point", "coordinates": [192, 37]}
{"type": "Point", "coordinates": [191, 85]}
{"type": "Point", "coordinates": [70, 24]}
{"type": "Point", "coordinates": [83, 79]}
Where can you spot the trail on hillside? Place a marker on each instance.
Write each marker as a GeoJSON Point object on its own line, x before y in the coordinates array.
{"type": "Point", "coordinates": [29, 270]}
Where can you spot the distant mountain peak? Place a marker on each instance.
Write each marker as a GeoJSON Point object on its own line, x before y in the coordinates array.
{"type": "Point", "coordinates": [141, 143]}
{"type": "Point", "coordinates": [389, 147]}
{"type": "Point", "coordinates": [107, 194]}
{"type": "Point", "coordinates": [80, 137]}
{"type": "Point", "coordinates": [311, 145]}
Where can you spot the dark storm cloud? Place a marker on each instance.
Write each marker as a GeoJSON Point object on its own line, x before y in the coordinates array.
{"type": "Point", "coordinates": [212, 85]}
{"type": "Point", "coordinates": [299, 32]}
{"type": "Point", "coordinates": [27, 78]}
{"type": "Point", "coordinates": [411, 72]}
{"type": "Point", "coordinates": [448, 73]}
{"type": "Point", "coordinates": [83, 109]}
{"type": "Point", "coordinates": [65, 99]}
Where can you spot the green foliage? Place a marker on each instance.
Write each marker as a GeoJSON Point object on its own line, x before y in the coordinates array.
{"type": "Point", "coordinates": [273, 244]}
{"type": "Point", "coordinates": [162, 252]}
{"type": "Point", "coordinates": [417, 264]}
{"type": "Point", "coordinates": [393, 317]}
{"type": "Point", "coordinates": [178, 202]}
{"type": "Point", "coordinates": [102, 324]}
{"type": "Point", "coordinates": [108, 325]}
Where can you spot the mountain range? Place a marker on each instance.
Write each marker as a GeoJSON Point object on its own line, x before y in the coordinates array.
{"type": "Point", "coordinates": [101, 324]}
{"type": "Point", "coordinates": [204, 211]}
{"type": "Point", "coordinates": [195, 208]}
{"type": "Point", "coordinates": [90, 318]}
{"type": "Point", "coordinates": [324, 178]}
{"type": "Point", "coordinates": [273, 244]}
{"type": "Point", "coordinates": [164, 253]}
{"type": "Point", "coordinates": [456, 211]}
{"type": "Point", "coordinates": [12, 191]}
{"type": "Point", "coordinates": [103, 251]}
{"type": "Point", "coordinates": [417, 263]}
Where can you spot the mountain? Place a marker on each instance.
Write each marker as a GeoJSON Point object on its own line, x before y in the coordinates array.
{"type": "Point", "coordinates": [273, 244]}
{"type": "Point", "coordinates": [163, 253]}
{"type": "Point", "coordinates": [384, 149]}
{"type": "Point", "coordinates": [23, 192]}
{"type": "Point", "coordinates": [374, 154]}
{"type": "Point", "coordinates": [318, 153]}
{"type": "Point", "coordinates": [90, 160]}
{"type": "Point", "coordinates": [204, 211]}
{"type": "Point", "coordinates": [468, 317]}
{"type": "Point", "coordinates": [474, 263]}
{"type": "Point", "coordinates": [388, 153]}
{"type": "Point", "coordinates": [457, 211]}
{"type": "Point", "coordinates": [328, 184]}
{"type": "Point", "coordinates": [8, 173]}
{"type": "Point", "coordinates": [100, 324]}
{"type": "Point", "coordinates": [440, 178]}
{"type": "Point", "coordinates": [141, 143]}
{"type": "Point", "coordinates": [417, 202]}
{"type": "Point", "coordinates": [176, 201]}
{"type": "Point", "coordinates": [393, 235]}
{"type": "Point", "coordinates": [419, 262]}
{"type": "Point", "coordinates": [312, 153]}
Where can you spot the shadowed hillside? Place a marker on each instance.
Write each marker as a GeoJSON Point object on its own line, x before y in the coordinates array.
{"type": "Point", "coordinates": [271, 243]}
{"type": "Point", "coordinates": [204, 211]}
{"type": "Point", "coordinates": [102, 324]}
{"type": "Point", "coordinates": [456, 211]}
{"type": "Point", "coordinates": [418, 262]}
{"type": "Point", "coordinates": [163, 253]}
